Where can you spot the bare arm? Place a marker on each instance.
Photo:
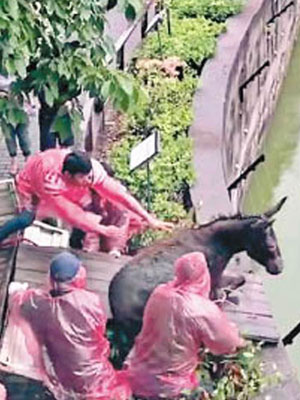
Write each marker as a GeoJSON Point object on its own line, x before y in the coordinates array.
{"type": "Point", "coordinates": [115, 192]}
{"type": "Point", "coordinates": [74, 215]}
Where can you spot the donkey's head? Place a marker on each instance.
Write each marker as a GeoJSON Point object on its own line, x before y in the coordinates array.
{"type": "Point", "coordinates": [262, 244]}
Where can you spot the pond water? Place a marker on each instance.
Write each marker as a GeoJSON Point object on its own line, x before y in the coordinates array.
{"type": "Point", "coordinates": [280, 176]}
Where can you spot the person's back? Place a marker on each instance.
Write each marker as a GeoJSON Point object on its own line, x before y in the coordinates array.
{"type": "Point", "coordinates": [42, 172]}
{"type": "Point", "coordinates": [69, 325]}
{"type": "Point", "coordinates": [179, 320]}
{"type": "Point", "coordinates": [75, 349]}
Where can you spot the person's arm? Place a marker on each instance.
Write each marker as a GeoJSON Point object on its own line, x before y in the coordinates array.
{"type": "Point", "coordinates": [76, 216]}
{"type": "Point", "coordinates": [217, 333]}
{"type": "Point", "coordinates": [115, 192]}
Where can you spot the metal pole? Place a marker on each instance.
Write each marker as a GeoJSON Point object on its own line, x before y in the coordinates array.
{"type": "Point", "coordinates": [159, 43]}
{"type": "Point", "coordinates": [148, 186]}
{"type": "Point", "coordinates": [288, 339]}
{"type": "Point", "coordinates": [169, 21]}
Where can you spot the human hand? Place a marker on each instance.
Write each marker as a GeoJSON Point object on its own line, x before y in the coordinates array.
{"type": "Point", "coordinates": [156, 223]}
{"type": "Point", "coordinates": [243, 343]}
{"type": "Point", "coordinates": [17, 287]}
{"type": "Point", "coordinates": [112, 231]}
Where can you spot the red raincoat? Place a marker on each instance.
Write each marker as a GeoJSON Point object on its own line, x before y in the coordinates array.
{"type": "Point", "coordinates": [68, 325]}
{"type": "Point", "coordinates": [178, 320]}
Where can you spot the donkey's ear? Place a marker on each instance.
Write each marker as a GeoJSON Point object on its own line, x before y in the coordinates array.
{"type": "Point", "coordinates": [275, 209]}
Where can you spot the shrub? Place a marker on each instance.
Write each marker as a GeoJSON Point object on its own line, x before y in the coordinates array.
{"type": "Point", "coordinates": [233, 377]}
{"type": "Point", "coordinates": [192, 39]}
{"type": "Point", "coordinates": [215, 10]}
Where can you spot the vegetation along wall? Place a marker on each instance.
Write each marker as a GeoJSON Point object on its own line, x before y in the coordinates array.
{"type": "Point", "coordinates": [168, 67]}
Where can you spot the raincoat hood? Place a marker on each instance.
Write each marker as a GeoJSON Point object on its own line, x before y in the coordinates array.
{"type": "Point", "coordinates": [191, 274]}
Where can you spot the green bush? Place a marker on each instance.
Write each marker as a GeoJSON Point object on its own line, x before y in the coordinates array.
{"type": "Point", "coordinates": [170, 103]}
{"type": "Point", "coordinates": [215, 10]}
{"type": "Point", "coordinates": [233, 377]}
{"type": "Point", "coordinates": [192, 39]}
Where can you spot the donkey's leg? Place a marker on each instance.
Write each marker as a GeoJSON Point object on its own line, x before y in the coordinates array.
{"type": "Point", "coordinates": [226, 285]}
{"type": "Point", "coordinates": [231, 281]}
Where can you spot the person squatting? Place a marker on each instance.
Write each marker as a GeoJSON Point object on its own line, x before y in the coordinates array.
{"type": "Point", "coordinates": [59, 182]}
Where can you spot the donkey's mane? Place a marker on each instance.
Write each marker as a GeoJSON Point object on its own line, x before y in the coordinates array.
{"type": "Point", "coordinates": [165, 243]}
{"type": "Point", "coordinates": [222, 217]}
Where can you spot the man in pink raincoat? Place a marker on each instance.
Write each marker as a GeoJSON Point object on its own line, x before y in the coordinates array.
{"type": "Point", "coordinates": [179, 319]}
{"type": "Point", "coordinates": [68, 340]}
{"type": "Point", "coordinates": [56, 183]}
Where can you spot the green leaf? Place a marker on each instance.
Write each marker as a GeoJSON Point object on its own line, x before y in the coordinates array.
{"type": "Point", "coordinates": [85, 14]}
{"type": "Point", "coordinates": [60, 12]}
{"type": "Point", "coordinates": [105, 90]}
{"type": "Point", "coordinates": [49, 96]}
{"type": "Point", "coordinates": [14, 8]}
{"type": "Point", "coordinates": [130, 12]}
{"type": "Point", "coordinates": [138, 5]}
{"type": "Point", "coordinates": [127, 85]}
{"type": "Point", "coordinates": [124, 102]}
{"type": "Point", "coordinates": [16, 117]}
{"type": "Point", "coordinates": [10, 66]}
{"type": "Point", "coordinates": [108, 45]}
{"type": "Point", "coordinates": [20, 67]}
{"type": "Point", "coordinates": [111, 4]}
{"type": "Point", "coordinates": [53, 87]}
{"type": "Point", "coordinates": [63, 126]}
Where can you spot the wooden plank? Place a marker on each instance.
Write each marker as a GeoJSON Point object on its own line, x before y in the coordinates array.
{"type": "Point", "coordinates": [256, 327]}
{"type": "Point", "coordinates": [7, 257]}
{"type": "Point", "coordinates": [251, 301]}
{"type": "Point", "coordinates": [253, 314]}
{"type": "Point", "coordinates": [32, 266]}
{"type": "Point", "coordinates": [42, 273]}
{"type": "Point", "coordinates": [100, 264]}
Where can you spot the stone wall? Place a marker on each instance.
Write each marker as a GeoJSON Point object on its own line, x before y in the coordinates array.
{"type": "Point", "coordinates": [240, 87]}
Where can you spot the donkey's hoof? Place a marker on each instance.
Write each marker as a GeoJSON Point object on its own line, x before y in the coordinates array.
{"type": "Point", "coordinates": [234, 299]}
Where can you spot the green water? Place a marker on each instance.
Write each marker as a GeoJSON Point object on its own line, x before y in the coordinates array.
{"type": "Point", "coordinates": [277, 177]}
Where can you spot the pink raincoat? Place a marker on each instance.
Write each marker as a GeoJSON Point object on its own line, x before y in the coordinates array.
{"type": "Point", "coordinates": [67, 341]}
{"type": "Point", "coordinates": [178, 320]}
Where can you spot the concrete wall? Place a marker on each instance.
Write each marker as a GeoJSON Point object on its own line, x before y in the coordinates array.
{"type": "Point", "coordinates": [237, 98]}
